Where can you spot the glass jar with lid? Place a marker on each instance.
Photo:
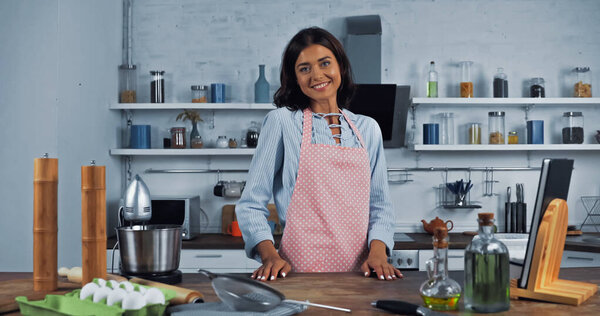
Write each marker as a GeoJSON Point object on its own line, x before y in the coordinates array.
{"type": "Point", "coordinates": [178, 137]}
{"type": "Point", "coordinates": [583, 85]}
{"type": "Point", "coordinates": [157, 86]}
{"type": "Point", "coordinates": [466, 83]}
{"type": "Point", "coordinates": [474, 134]}
{"type": "Point", "coordinates": [513, 137]}
{"type": "Point", "coordinates": [127, 83]}
{"type": "Point", "coordinates": [572, 131]}
{"type": "Point", "coordinates": [496, 127]}
{"type": "Point", "coordinates": [199, 94]}
{"type": "Point", "coordinates": [222, 142]}
{"type": "Point", "coordinates": [537, 88]}
{"type": "Point", "coordinates": [446, 128]}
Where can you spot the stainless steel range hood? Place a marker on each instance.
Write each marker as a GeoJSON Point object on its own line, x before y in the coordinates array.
{"type": "Point", "coordinates": [363, 47]}
{"type": "Point", "coordinates": [388, 104]}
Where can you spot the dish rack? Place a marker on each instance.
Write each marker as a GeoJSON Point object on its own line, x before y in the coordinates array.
{"type": "Point", "coordinates": [591, 204]}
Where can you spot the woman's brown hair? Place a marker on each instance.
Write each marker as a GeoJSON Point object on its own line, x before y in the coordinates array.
{"type": "Point", "coordinates": [289, 94]}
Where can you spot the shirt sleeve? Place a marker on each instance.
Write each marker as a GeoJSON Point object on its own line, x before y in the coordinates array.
{"type": "Point", "coordinates": [381, 211]}
{"type": "Point", "coordinates": [251, 210]}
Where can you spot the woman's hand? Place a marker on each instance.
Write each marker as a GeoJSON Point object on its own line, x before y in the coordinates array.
{"type": "Point", "coordinates": [377, 261]}
{"type": "Point", "coordinates": [272, 264]}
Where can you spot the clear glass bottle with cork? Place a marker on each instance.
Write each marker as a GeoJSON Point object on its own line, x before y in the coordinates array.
{"type": "Point", "coordinates": [440, 292]}
{"type": "Point", "coordinates": [432, 82]}
{"type": "Point", "coordinates": [487, 280]}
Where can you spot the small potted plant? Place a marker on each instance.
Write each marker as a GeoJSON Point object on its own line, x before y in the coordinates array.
{"type": "Point", "coordinates": [194, 117]}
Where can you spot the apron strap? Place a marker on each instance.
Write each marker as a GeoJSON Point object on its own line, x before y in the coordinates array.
{"type": "Point", "coordinates": [307, 127]}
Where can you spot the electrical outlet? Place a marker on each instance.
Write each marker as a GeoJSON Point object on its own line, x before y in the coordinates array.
{"type": "Point", "coordinates": [405, 259]}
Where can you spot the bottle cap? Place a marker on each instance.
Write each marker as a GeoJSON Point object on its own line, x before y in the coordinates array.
{"type": "Point", "coordinates": [486, 219]}
{"type": "Point", "coordinates": [440, 235]}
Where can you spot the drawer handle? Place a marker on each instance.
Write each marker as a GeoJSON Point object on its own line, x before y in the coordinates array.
{"type": "Point", "coordinates": [209, 256]}
{"type": "Point", "coordinates": [581, 258]}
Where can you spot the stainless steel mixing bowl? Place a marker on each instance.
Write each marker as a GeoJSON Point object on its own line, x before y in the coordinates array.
{"type": "Point", "coordinates": [149, 249]}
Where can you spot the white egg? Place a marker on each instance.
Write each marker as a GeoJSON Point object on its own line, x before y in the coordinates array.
{"type": "Point", "coordinates": [154, 296]}
{"type": "Point", "coordinates": [101, 294]}
{"type": "Point", "coordinates": [142, 290]}
{"type": "Point", "coordinates": [88, 290]}
{"type": "Point", "coordinates": [101, 282]}
{"type": "Point", "coordinates": [133, 300]}
{"type": "Point", "coordinates": [117, 295]}
{"type": "Point", "coordinates": [113, 284]}
{"type": "Point", "coordinates": [127, 286]}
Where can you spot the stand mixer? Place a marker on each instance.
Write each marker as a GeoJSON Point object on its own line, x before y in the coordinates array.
{"type": "Point", "coordinates": [150, 252]}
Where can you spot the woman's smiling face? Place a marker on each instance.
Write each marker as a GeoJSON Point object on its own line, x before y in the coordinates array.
{"type": "Point", "coordinates": [318, 73]}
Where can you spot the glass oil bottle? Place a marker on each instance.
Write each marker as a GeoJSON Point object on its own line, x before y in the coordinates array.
{"type": "Point", "coordinates": [487, 281]}
{"type": "Point", "coordinates": [432, 83]}
{"type": "Point", "coordinates": [440, 292]}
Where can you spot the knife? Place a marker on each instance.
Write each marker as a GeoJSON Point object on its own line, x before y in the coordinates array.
{"type": "Point", "coordinates": [507, 211]}
{"type": "Point", "coordinates": [404, 308]}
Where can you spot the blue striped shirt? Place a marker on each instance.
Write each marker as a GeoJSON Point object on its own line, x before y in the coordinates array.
{"type": "Point", "coordinates": [274, 169]}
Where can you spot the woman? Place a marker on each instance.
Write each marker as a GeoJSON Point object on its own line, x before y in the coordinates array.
{"type": "Point", "coordinates": [325, 168]}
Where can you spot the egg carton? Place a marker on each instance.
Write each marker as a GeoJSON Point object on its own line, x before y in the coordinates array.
{"type": "Point", "coordinates": [70, 304]}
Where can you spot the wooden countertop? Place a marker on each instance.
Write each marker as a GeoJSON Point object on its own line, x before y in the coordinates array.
{"type": "Point", "coordinates": [421, 241]}
{"type": "Point", "coordinates": [350, 290]}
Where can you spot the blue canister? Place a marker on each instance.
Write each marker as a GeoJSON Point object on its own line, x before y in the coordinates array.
{"type": "Point", "coordinates": [431, 132]}
{"type": "Point", "coordinates": [217, 92]}
{"type": "Point", "coordinates": [140, 136]}
{"type": "Point", "coordinates": [535, 132]}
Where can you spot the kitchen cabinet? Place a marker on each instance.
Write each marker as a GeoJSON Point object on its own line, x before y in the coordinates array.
{"type": "Point", "coordinates": [577, 259]}
{"type": "Point", "coordinates": [215, 260]}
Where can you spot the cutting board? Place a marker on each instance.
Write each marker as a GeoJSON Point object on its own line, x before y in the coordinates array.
{"type": "Point", "coordinates": [24, 287]}
{"type": "Point", "coordinates": [228, 216]}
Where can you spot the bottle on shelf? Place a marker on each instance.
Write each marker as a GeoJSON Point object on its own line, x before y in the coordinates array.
{"type": "Point", "coordinates": [500, 84]}
{"type": "Point", "coordinates": [487, 283]}
{"type": "Point", "coordinates": [261, 87]}
{"type": "Point", "coordinates": [432, 82]}
{"type": "Point", "coordinates": [439, 291]}
{"type": "Point", "coordinates": [537, 90]}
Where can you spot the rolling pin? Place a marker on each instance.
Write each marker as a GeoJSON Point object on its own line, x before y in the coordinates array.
{"type": "Point", "coordinates": [182, 296]}
{"type": "Point", "coordinates": [74, 275]}
{"type": "Point", "coordinates": [45, 223]}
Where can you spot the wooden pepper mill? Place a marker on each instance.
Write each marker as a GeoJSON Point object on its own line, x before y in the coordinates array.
{"type": "Point", "coordinates": [45, 223]}
{"type": "Point", "coordinates": [93, 222]}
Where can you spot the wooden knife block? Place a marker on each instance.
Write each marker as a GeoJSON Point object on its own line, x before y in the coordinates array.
{"type": "Point", "coordinates": [543, 283]}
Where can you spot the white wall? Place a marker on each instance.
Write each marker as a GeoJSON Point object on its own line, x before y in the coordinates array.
{"type": "Point", "coordinates": [58, 61]}
{"type": "Point", "coordinates": [225, 41]}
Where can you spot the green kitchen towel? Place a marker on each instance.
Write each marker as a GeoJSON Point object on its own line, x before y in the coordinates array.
{"type": "Point", "coordinates": [220, 309]}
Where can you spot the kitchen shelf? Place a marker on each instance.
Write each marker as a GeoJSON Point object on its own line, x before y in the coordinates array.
{"type": "Point", "coordinates": [197, 106]}
{"type": "Point", "coordinates": [183, 152]}
{"type": "Point", "coordinates": [518, 147]}
{"type": "Point", "coordinates": [505, 101]}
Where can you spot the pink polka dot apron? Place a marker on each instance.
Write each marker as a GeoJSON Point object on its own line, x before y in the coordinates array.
{"type": "Point", "coordinates": [328, 217]}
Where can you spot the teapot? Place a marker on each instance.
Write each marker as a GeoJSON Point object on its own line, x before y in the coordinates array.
{"type": "Point", "coordinates": [437, 222]}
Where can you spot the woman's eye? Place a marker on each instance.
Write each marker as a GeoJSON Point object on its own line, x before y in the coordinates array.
{"type": "Point", "coordinates": [304, 69]}
{"type": "Point", "coordinates": [325, 63]}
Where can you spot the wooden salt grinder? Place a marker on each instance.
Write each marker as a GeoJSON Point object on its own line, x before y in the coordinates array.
{"type": "Point", "coordinates": [45, 223]}
{"type": "Point", "coordinates": [93, 222]}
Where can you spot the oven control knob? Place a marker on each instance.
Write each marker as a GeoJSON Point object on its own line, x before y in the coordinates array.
{"type": "Point", "coordinates": [409, 261]}
{"type": "Point", "coordinates": [399, 261]}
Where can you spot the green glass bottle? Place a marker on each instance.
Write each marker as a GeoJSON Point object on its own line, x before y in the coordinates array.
{"type": "Point", "coordinates": [487, 281]}
{"type": "Point", "coordinates": [432, 83]}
